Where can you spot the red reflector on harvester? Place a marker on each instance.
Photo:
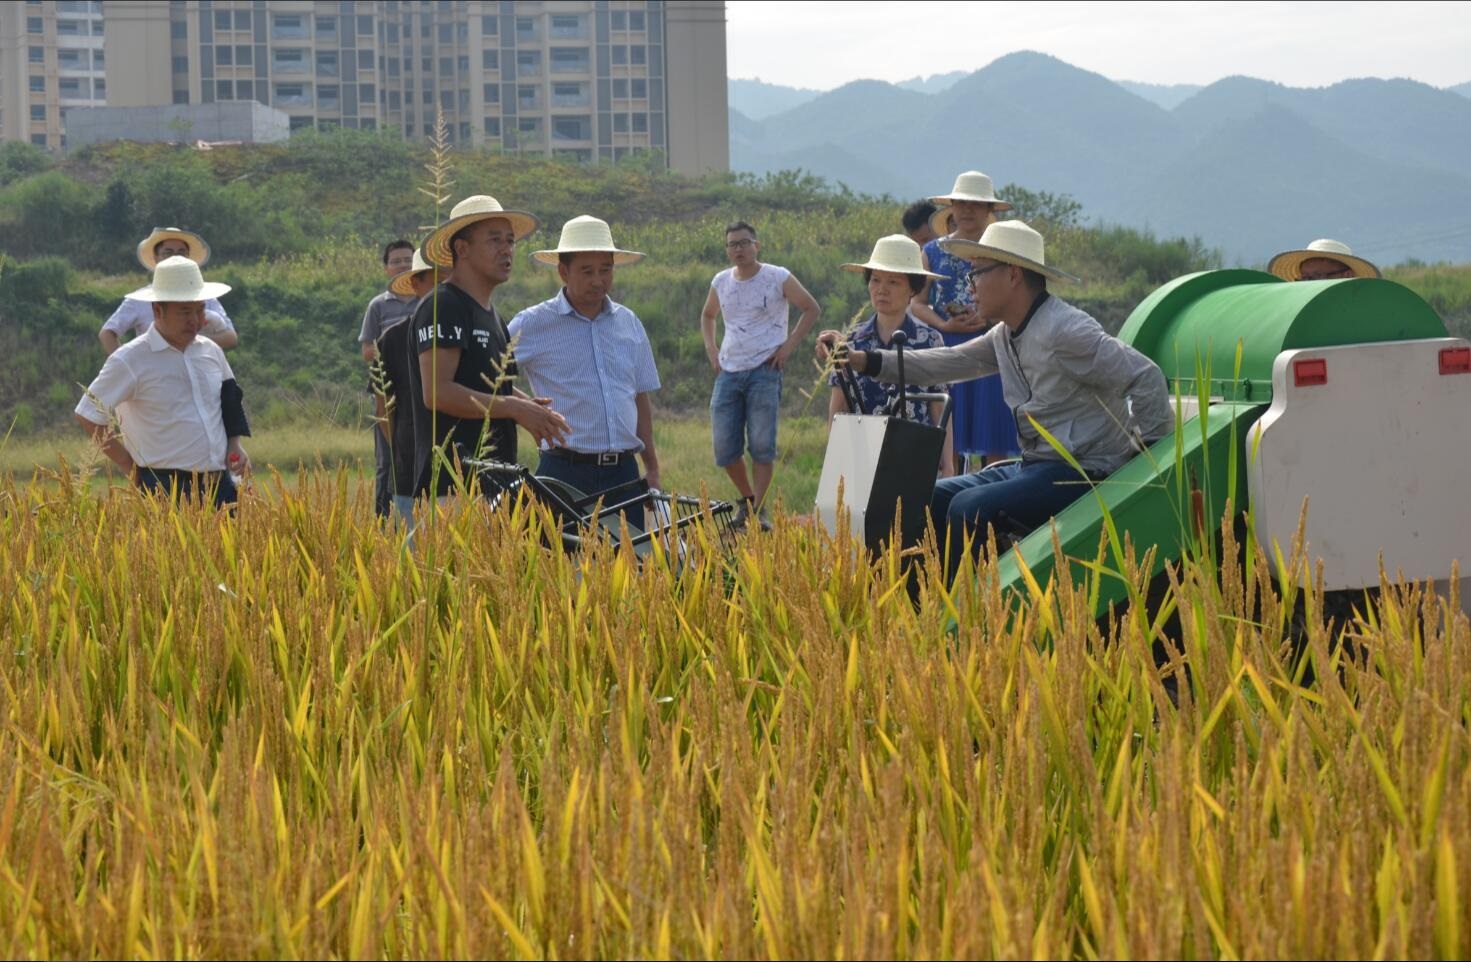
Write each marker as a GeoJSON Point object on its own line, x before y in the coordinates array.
{"type": "Point", "coordinates": [1309, 371]}
{"type": "Point", "coordinates": [1455, 360]}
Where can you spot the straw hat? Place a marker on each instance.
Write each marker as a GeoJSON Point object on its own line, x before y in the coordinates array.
{"type": "Point", "coordinates": [972, 185]}
{"type": "Point", "coordinates": [198, 249]}
{"type": "Point", "coordinates": [1288, 265]}
{"type": "Point", "coordinates": [940, 220]}
{"type": "Point", "coordinates": [178, 279]}
{"type": "Point", "coordinates": [1011, 242]}
{"type": "Point", "coordinates": [403, 282]}
{"type": "Point", "coordinates": [896, 253]}
{"type": "Point", "coordinates": [587, 234]}
{"type": "Point", "coordinates": [469, 211]}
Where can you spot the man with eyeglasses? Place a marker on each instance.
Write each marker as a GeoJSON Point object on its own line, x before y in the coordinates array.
{"type": "Point", "coordinates": [755, 300]}
{"type": "Point", "coordinates": [1322, 260]}
{"type": "Point", "coordinates": [1099, 398]}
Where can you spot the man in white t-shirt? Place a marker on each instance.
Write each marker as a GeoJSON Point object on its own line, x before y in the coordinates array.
{"type": "Point", "coordinates": [135, 317]}
{"type": "Point", "coordinates": [755, 301]}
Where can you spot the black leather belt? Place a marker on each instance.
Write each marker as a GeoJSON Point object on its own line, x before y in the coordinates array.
{"type": "Point", "coordinates": [605, 459]}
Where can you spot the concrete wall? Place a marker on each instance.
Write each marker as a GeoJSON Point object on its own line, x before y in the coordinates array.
{"type": "Point", "coordinates": [139, 53]}
{"type": "Point", "coordinates": [251, 123]}
{"type": "Point", "coordinates": [699, 119]}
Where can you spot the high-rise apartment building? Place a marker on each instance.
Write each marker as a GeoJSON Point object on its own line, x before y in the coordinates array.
{"type": "Point", "coordinates": [585, 79]}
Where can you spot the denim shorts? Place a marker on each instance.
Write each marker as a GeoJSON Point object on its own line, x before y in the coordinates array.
{"type": "Point", "coordinates": [743, 411]}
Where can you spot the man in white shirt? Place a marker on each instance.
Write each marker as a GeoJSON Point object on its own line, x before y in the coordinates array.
{"type": "Point", "coordinates": [755, 301]}
{"type": "Point", "coordinates": [134, 316]}
{"type": "Point", "coordinates": [165, 407]}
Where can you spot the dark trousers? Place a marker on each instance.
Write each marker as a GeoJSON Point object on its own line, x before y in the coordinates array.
{"type": "Point", "coordinates": [593, 478]}
{"type": "Point", "coordinates": [189, 485]}
{"type": "Point", "coordinates": [382, 474]}
{"type": "Point", "coordinates": [1028, 493]}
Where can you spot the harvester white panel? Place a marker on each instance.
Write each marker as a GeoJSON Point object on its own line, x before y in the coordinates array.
{"type": "Point", "coordinates": [1381, 453]}
{"type": "Point", "coordinates": [853, 447]}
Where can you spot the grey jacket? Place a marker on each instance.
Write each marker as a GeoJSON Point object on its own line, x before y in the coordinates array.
{"type": "Point", "coordinates": [1062, 369]}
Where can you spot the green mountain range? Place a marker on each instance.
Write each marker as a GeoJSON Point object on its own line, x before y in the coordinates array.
{"type": "Point", "coordinates": [1249, 166]}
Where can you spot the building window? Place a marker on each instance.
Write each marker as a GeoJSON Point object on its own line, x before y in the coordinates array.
{"type": "Point", "coordinates": [327, 63]}
{"type": "Point", "coordinates": [97, 28]}
{"type": "Point", "coordinates": [641, 124]}
{"type": "Point", "coordinates": [38, 85]}
{"type": "Point", "coordinates": [447, 99]}
{"type": "Point", "coordinates": [289, 60]}
{"type": "Point", "coordinates": [569, 60]}
{"type": "Point", "coordinates": [181, 65]}
{"type": "Point", "coordinates": [181, 96]}
{"type": "Point", "coordinates": [288, 26]}
{"type": "Point", "coordinates": [365, 60]}
{"type": "Point", "coordinates": [38, 111]}
{"type": "Point", "coordinates": [526, 29]}
{"type": "Point", "coordinates": [620, 124]}
{"type": "Point", "coordinates": [446, 33]}
{"type": "Point", "coordinates": [620, 20]}
{"type": "Point", "coordinates": [225, 90]}
{"type": "Point", "coordinates": [528, 62]}
{"type": "Point", "coordinates": [292, 95]}
{"type": "Point", "coordinates": [365, 26]}
{"type": "Point", "coordinates": [620, 55]}
{"type": "Point", "coordinates": [36, 54]}
{"type": "Point", "coordinates": [571, 128]}
{"type": "Point", "coordinates": [527, 97]}
{"type": "Point", "coordinates": [243, 55]}
{"type": "Point", "coordinates": [222, 20]}
{"type": "Point", "coordinates": [33, 25]}
{"type": "Point", "coordinates": [99, 89]}
{"type": "Point", "coordinates": [98, 62]}
{"type": "Point", "coordinates": [179, 30]}
{"type": "Point", "coordinates": [327, 96]}
{"type": "Point", "coordinates": [326, 28]}
{"type": "Point", "coordinates": [493, 126]}
{"type": "Point", "coordinates": [392, 33]}
{"type": "Point", "coordinates": [225, 56]}
{"type": "Point", "coordinates": [428, 98]}
{"type": "Point", "coordinates": [567, 27]}
{"type": "Point", "coordinates": [620, 89]}
{"type": "Point", "coordinates": [366, 93]}
{"type": "Point", "coordinates": [244, 90]}
{"type": "Point", "coordinates": [529, 128]}
{"type": "Point", "coordinates": [368, 123]}
{"type": "Point", "coordinates": [38, 139]}
{"type": "Point", "coordinates": [638, 54]}
{"type": "Point", "coordinates": [569, 95]}
{"type": "Point", "coordinates": [635, 19]}
{"type": "Point", "coordinates": [70, 28]}
{"type": "Point", "coordinates": [490, 60]}
{"type": "Point", "coordinates": [640, 89]}
{"type": "Point", "coordinates": [492, 93]}
{"type": "Point", "coordinates": [242, 20]}
{"type": "Point", "coordinates": [490, 26]}
{"type": "Point", "coordinates": [395, 100]}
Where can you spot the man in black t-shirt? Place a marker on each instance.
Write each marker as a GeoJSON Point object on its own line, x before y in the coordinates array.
{"type": "Point", "coordinates": [392, 378]}
{"type": "Point", "coordinates": [465, 367]}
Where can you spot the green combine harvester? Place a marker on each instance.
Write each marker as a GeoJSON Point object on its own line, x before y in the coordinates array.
{"type": "Point", "coordinates": [1346, 396]}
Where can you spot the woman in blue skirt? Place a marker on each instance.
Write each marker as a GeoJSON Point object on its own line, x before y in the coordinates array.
{"type": "Point", "coordinates": [982, 422]}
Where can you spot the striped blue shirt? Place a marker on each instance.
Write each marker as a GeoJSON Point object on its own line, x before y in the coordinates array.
{"type": "Point", "coordinates": [591, 369]}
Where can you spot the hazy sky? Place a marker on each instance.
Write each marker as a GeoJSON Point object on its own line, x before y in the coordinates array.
{"type": "Point", "coordinates": [1302, 44]}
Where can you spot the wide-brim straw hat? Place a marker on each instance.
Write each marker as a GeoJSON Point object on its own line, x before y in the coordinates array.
{"type": "Point", "coordinates": [972, 185]}
{"type": "Point", "coordinates": [402, 283]}
{"type": "Point", "coordinates": [471, 210]}
{"type": "Point", "coordinates": [896, 253]}
{"type": "Point", "coordinates": [1011, 242]}
{"type": "Point", "coordinates": [582, 234]}
{"type": "Point", "coordinates": [177, 279]}
{"type": "Point", "coordinates": [198, 249]}
{"type": "Point", "coordinates": [940, 220]}
{"type": "Point", "coordinates": [1288, 264]}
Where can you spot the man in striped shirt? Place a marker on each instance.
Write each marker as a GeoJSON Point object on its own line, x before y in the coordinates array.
{"type": "Point", "coordinates": [592, 357]}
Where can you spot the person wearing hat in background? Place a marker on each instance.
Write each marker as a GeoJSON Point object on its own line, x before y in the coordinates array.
{"type": "Point", "coordinates": [174, 395]}
{"type": "Point", "coordinates": [1322, 260]}
{"type": "Point", "coordinates": [917, 222]}
{"type": "Point", "coordinates": [393, 405]}
{"type": "Point", "coordinates": [982, 423]}
{"type": "Point", "coordinates": [385, 310]}
{"type": "Point", "coordinates": [755, 300]}
{"type": "Point", "coordinates": [462, 381]}
{"type": "Point", "coordinates": [1099, 397]}
{"type": "Point", "coordinates": [135, 316]}
{"type": "Point", "coordinates": [894, 273]}
{"type": "Point", "coordinates": [591, 356]}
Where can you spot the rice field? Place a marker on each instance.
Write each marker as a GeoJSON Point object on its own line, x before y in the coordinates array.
{"type": "Point", "coordinates": [284, 735]}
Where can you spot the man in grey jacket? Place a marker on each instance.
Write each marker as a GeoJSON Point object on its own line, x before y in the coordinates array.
{"type": "Point", "coordinates": [1098, 397]}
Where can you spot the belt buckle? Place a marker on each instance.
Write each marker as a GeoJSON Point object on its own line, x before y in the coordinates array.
{"type": "Point", "coordinates": [608, 458]}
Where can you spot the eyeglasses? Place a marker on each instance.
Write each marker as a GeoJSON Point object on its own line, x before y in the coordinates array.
{"type": "Point", "coordinates": [736, 245]}
{"type": "Point", "coordinates": [1326, 275]}
{"type": "Point", "coordinates": [975, 275]}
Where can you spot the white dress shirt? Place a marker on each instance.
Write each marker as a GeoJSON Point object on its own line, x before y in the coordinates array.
{"type": "Point", "coordinates": [167, 401]}
{"type": "Point", "coordinates": [137, 316]}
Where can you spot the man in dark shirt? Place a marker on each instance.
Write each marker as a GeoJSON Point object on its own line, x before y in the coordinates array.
{"type": "Point", "coordinates": [392, 383]}
{"type": "Point", "coordinates": [465, 367]}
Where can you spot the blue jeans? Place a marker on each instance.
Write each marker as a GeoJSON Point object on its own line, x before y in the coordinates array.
{"type": "Point", "coordinates": [743, 412]}
{"type": "Point", "coordinates": [1029, 493]}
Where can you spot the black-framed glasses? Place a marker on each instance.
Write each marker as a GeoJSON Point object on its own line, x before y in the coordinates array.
{"type": "Point", "coordinates": [975, 275]}
{"type": "Point", "coordinates": [738, 244]}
